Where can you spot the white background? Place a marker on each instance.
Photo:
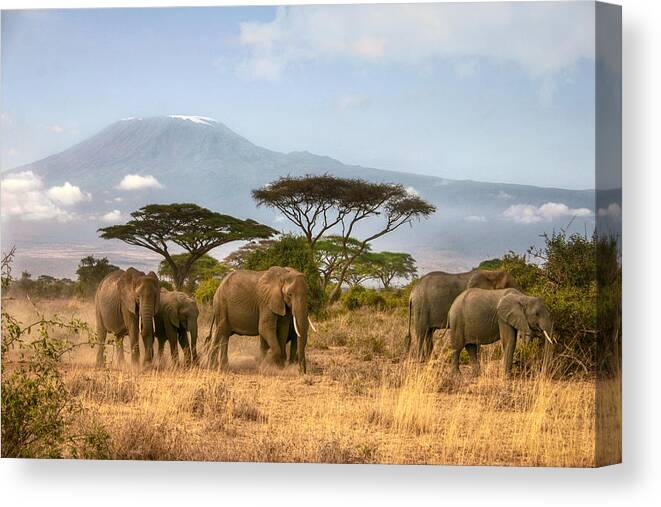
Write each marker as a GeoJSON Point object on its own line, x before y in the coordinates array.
{"type": "Point", "coordinates": [636, 482]}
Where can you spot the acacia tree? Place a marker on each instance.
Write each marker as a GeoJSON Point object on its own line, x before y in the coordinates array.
{"type": "Point", "coordinates": [329, 255]}
{"type": "Point", "coordinates": [91, 271]}
{"type": "Point", "coordinates": [195, 229]}
{"type": "Point", "coordinates": [202, 269]}
{"type": "Point", "coordinates": [386, 266]}
{"type": "Point", "coordinates": [317, 204]}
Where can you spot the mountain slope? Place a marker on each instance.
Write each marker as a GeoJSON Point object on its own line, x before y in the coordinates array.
{"type": "Point", "coordinates": [201, 160]}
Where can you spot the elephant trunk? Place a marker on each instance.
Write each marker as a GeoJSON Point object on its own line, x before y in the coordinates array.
{"type": "Point", "coordinates": [301, 326]}
{"type": "Point", "coordinates": [147, 329]}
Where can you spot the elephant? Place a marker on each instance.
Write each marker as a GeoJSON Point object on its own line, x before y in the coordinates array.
{"type": "Point", "coordinates": [267, 304]}
{"type": "Point", "coordinates": [125, 303]}
{"type": "Point", "coordinates": [432, 296]}
{"type": "Point", "coordinates": [479, 317]}
{"type": "Point", "coordinates": [174, 320]}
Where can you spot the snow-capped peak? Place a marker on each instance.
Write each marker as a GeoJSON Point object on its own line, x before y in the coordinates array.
{"type": "Point", "coordinates": [204, 120]}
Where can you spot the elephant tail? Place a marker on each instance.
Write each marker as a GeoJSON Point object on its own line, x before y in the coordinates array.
{"type": "Point", "coordinates": [407, 338]}
{"type": "Point", "coordinates": [207, 342]}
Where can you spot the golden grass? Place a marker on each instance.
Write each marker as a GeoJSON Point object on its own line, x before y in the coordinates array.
{"type": "Point", "coordinates": [358, 404]}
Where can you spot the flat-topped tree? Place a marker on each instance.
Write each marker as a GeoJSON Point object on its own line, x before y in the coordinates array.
{"type": "Point", "coordinates": [386, 266]}
{"type": "Point", "coordinates": [195, 229]}
{"type": "Point", "coordinates": [320, 204]}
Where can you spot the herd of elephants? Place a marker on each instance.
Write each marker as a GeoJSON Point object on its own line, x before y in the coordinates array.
{"type": "Point", "coordinates": [477, 307]}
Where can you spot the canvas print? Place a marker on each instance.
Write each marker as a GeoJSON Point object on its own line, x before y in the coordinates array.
{"type": "Point", "coordinates": [383, 234]}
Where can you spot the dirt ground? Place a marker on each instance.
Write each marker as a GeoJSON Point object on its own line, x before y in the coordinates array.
{"type": "Point", "coordinates": [360, 402]}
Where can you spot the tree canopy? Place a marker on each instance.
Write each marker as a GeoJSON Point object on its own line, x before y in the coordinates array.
{"type": "Point", "coordinates": [386, 266]}
{"type": "Point", "coordinates": [329, 254]}
{"type": "Point", "coordinates": [90, 273]}
{"type": "Point", "coordinates": [320, 204]}
{"type": "Point", "coordinates": [202, 269]}
{"type": "Point", "coordinates": [195, 229]}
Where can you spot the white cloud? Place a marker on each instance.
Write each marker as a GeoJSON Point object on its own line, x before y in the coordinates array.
{"type": "Point", "coordinates": [137, 182]}
{"type": "Point", "coordinates": [57, 129]}
{"type": "Point", "coordinates": [346, 102]}
{"type": "Point", "coordinates": [475, 218]}
{"type": "Point", "coordinates": [537, 38]}
{"type": "Point", "coordinates": [24, 196]}
{"type": "Point", "coordinates": [279, 219]}
{"type": "Point", "coordinates": [412, 191]}
{"type": "Point", "coordinates": [529, 214]}
{"type": "Point", "coordinates": [503, 195]}
{"type": "Point", "coordinates": [68, 194]}
{"type": "Point", "coordinates": [112, 216]}
{"type": "Point", "coordinates": [12, 151]}
{"type": "Point", "coordinates": [613, 211]}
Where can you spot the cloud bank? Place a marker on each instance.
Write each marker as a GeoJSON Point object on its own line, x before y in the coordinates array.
{"type": "Point", "coordinates": [529, 214]}
{"type": "Point", "coordinates": [24, 196]}
{"type": "Point", "coordinates": [537, 38]}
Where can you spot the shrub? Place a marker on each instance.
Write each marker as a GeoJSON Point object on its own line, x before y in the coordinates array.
{"type": "Point", "coordinates": [206, 289]}
{"type": "Point", "coordinates": [362, 297]}
{"type": "Point", "coordinates": [38, 412]}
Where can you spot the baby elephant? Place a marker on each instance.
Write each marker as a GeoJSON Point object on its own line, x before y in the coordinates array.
{"type": "Point", "coordinates": [176, 317]}
{"type": "Point", "coordinates": [479, 317]}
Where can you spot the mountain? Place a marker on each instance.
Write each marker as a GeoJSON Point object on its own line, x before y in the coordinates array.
{"type": "Point", "coordinates": [198, 159]}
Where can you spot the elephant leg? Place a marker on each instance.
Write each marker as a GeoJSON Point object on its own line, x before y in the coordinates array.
{"type": "Point", "coordinates": [134, 334]}
{"type": "Point", "coordinates": [119, 345]}
{"type": "Point", "coordinates": [161, 348]}
{"type": "Point", "coordinates": [219, 345]}
{"type": "Point", "coordinates": [268, 331]}
{"type": "Point", "coordinates": [183, 343]}
{"type": "Point", "coordinates": [263, 349]}
{"type": "Point", "coordinates": [171, 334]}
{"type": "Point", "coordinates": [508, 338]}
{"type": "Point", "coordinates": [455, 360]}
{"type": "Point", "coordinates": [474, 354]}
{"type": "Point", "coordinates": [425, 344]}
{"type": "Point", "coordinates": [101, 335]}
{"type": "Point", "coordinates": [293, 349]}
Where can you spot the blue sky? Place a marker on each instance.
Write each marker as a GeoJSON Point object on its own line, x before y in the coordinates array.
{"type": "Point", "coordinates": [498, 92]}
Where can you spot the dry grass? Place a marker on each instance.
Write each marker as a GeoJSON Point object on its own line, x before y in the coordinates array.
{"type": "Point", "coordinates": [358, 404]}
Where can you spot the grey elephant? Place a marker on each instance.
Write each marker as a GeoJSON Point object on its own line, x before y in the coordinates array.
{"type": "Point", "coordinates": [269, 304]}
{"type": "Point", "coordinates": [175, 319]}
{"type": "Point", "coordinates": [479, 317]}
{"type": "Point", "coordinates": [432, 296]}
{"type": "Point", "coordinates": [125, 304]}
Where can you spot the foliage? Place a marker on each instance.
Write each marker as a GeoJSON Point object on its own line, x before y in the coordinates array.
{"type": "Point", "coordinates": [38, 412]}
{"type": "Point", "coordinates": [90, 273]}
{"type": "Point", "coordinates": [578, 277]}
{"type": "Point", "coordinates": [237, 259]}
{"type": "Point", "coordinates": [206, 289]}
{"type": "Point", "coordinates": [362, 297]}
{"type": "Point", "coordinates": [294, 252]}
{"type": "Point", "coordinates": [329, 255]}
{"type": "Point", "coordinates": [317, 204]}
{"type": "Point", "coordinates": [7, 260]}
{"type": "Point", "coordinates": [44, 286]}
{"type": "Point", "coordinates": [386, 266]}
{"type": "Point", "coordinates": [195, 229]}
{"type": "Point", "coordinates": [204, 268]}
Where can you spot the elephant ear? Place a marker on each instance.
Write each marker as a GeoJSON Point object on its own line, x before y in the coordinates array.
{"type": "Point", "coordinates": [512, 309]}
{"type": "Point", "coordinates": [125, 285]}
{"type": "Point", "coordinates": [269, 287]}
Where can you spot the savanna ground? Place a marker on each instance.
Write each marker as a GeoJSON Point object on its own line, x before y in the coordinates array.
{"type": "Point", "coordinates": [358, 403]}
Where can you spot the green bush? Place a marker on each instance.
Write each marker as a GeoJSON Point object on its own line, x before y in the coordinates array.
{"type": "Point", "coordinates": [39, 413]}
{"type": "Point", "coordinates": [363, 297]}
{"type": "Point", "coordinates": [206, 289]}
{"type": "Point", "coordinates": [564, 273]}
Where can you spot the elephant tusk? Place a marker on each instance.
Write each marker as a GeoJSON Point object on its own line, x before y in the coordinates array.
{"type": "Point", "coordinates": [547, 337]}
{"type": "Point", "coordinates": [153, 323]}
{"type": "Point", "coordinates": [312, 325]}
{"type": "Point", "coordinates": [296, 328]}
